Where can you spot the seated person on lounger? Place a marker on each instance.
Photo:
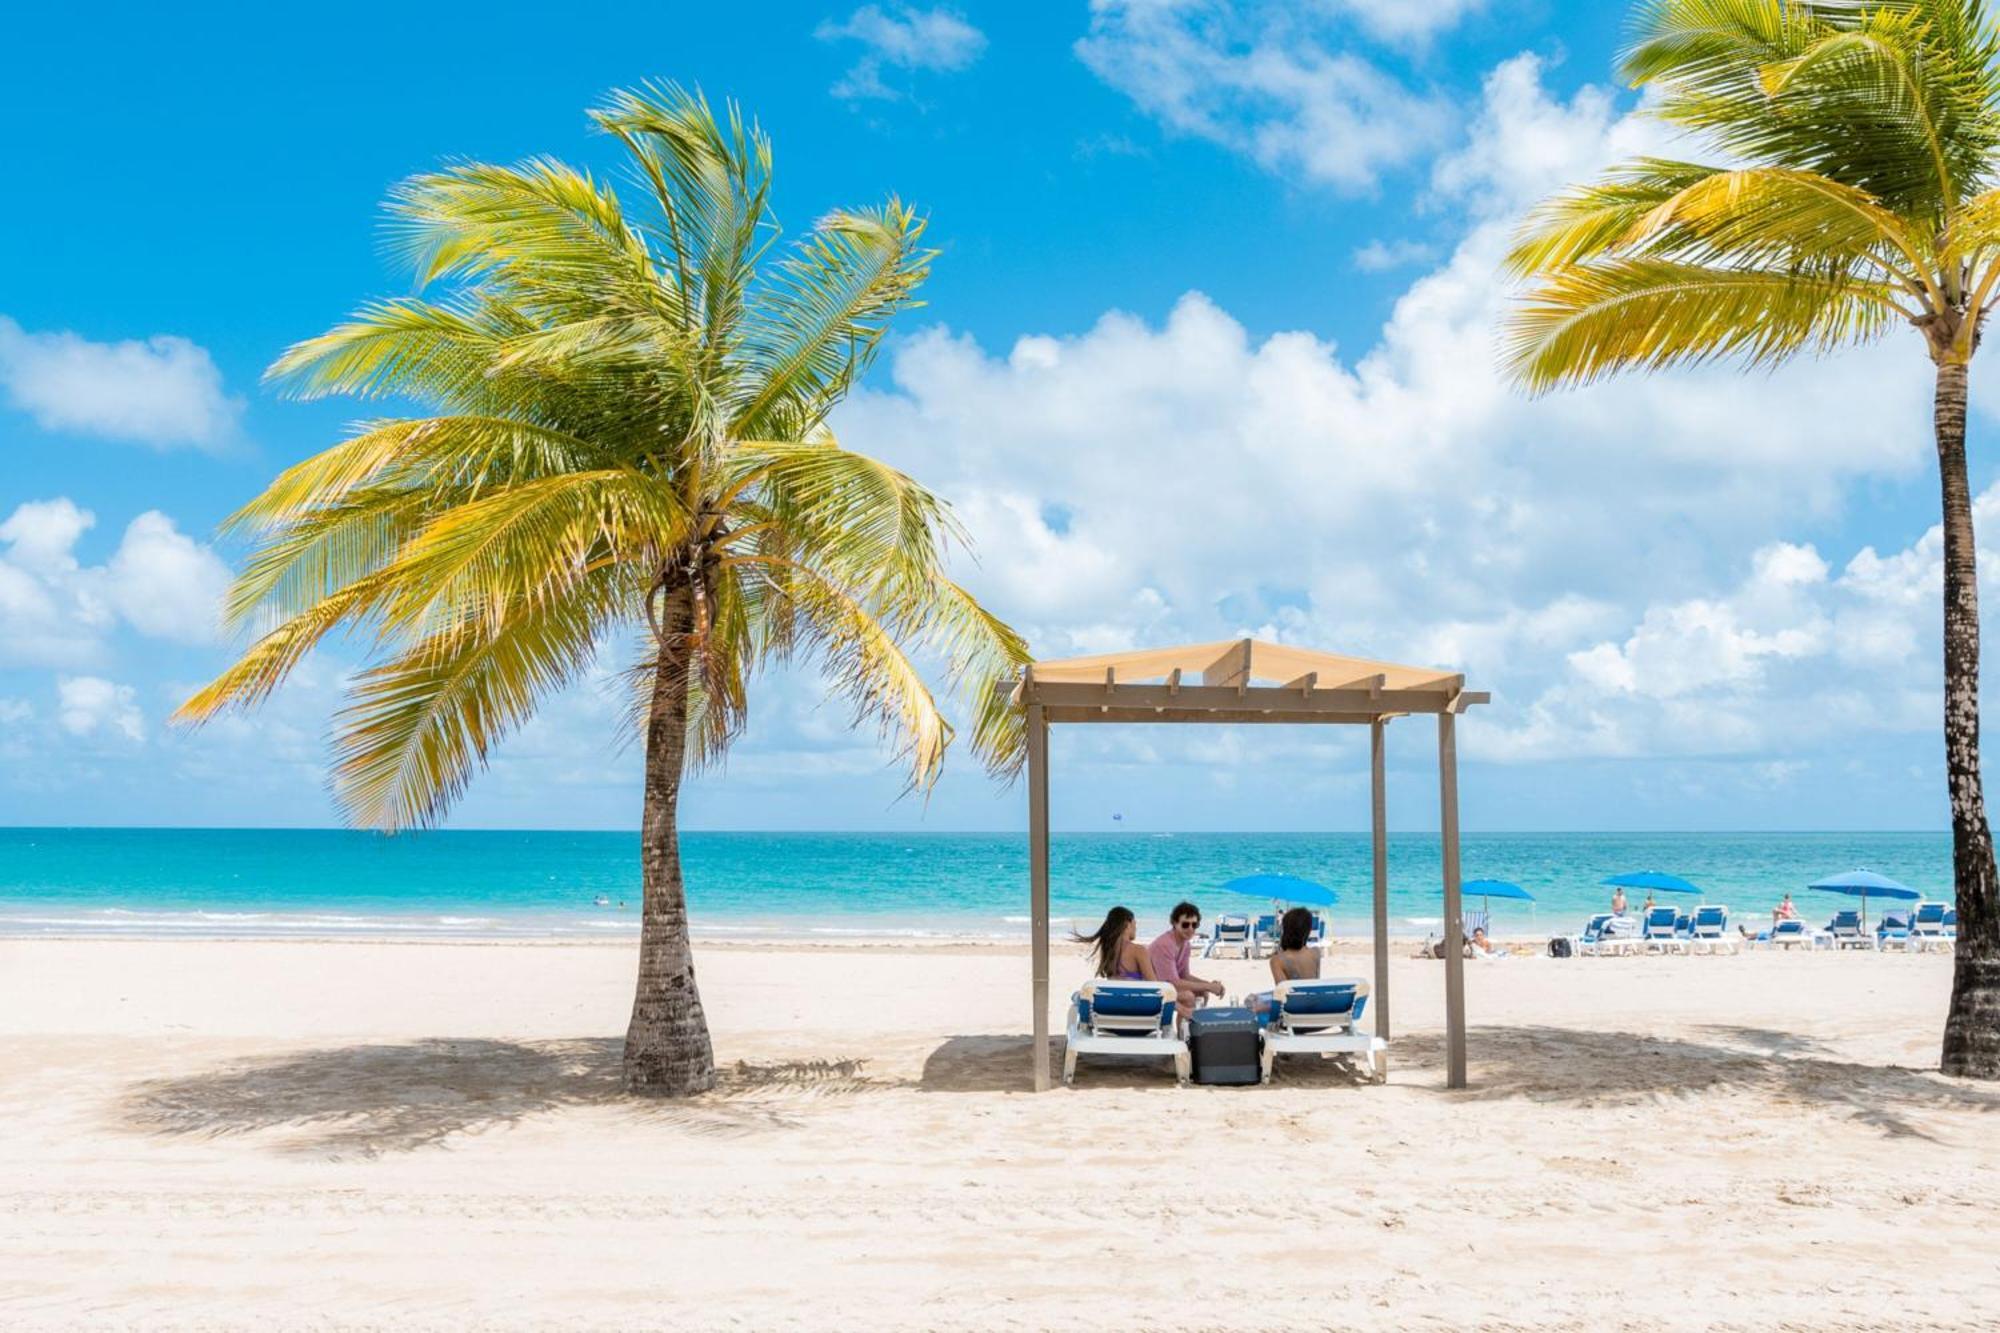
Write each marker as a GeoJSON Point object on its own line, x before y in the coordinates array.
{"type": "Point", "coordinates": [1295, 960]}
{"type": "Point", "coordinates": [1479, 946]}
{"type": "Point", "coordinates": [1116, 947]}
{"type": "Point", "coordinates": [1171, 954]}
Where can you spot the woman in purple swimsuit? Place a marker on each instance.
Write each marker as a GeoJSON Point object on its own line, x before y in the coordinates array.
{"type": "Point", "coordinates": [1116, 945]}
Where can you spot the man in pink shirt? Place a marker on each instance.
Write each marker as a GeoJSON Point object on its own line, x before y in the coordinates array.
{"type": "Point", "coordinates": [1172, 952]}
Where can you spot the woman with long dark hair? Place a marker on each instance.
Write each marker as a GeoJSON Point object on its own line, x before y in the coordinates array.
{"type": "Point", "coordinates": [1295, 959]}
{"type": "Point", "coordinates": [1116, 947]}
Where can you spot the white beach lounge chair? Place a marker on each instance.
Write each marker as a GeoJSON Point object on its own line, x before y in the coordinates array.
{"type": "Point", "coordinates": [1124, 1018]}
{"type": "Point", "coordinates": [1661, 931]}
{"type": "Point", "coordinates": [1791, 933]}
{"type": "Point", "coordinates": [1709, 932]}
{"type": "Point", "coordinates": [1232, 931]}
{"type": "Point", "coordinates": [1845, 928]}
{"type": "Point", "coordinates": [1318, 1018]}
{"type": "Point", "coordinates": [1606, 935]}
{"type": "Point", "coordinates": [1895, 931]}
{"type": "Point", "coordinates": [1264, 936]}
{"type": "Point", "coordinates": [1927, 928]}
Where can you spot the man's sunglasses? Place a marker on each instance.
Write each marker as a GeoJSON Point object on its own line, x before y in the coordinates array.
{"type": "Point", "coordinates": [1186, 924]}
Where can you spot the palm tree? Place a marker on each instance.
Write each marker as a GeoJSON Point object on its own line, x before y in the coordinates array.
{"type": "Point", "coordinates": [628, 447]}
{"type": "Point", "coordinates": [1860, 147]}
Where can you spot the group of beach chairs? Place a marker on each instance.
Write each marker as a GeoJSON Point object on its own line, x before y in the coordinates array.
{"type": "Point", "coordinates": [1247, 937]}
{"type": "Point", "coordinates": [1707, 930]}
{"type": "Point", "coordinates": [1139, 1019]}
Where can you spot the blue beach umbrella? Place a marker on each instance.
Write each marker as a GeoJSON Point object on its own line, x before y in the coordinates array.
{"type": "Point", "coordinates": [1496, 888]}
{"type": "Point", "coordinates": [1488, 889]}
{"type": "Point", "coordinates": [1861, 883]}
{"type": "Point", "coordinates": [1282, 889]}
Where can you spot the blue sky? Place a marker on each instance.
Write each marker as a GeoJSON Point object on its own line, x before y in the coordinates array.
{"type": "Point", "coordinates": [1249, 242]}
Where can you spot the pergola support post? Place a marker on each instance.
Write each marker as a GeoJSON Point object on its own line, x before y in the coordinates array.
{"type": "Point", "coordinates": [1379, 806]}
{"type": "Point", "coordinates": [1454, 923]}
{"type": "Point", "coordinates": [1038, 884]}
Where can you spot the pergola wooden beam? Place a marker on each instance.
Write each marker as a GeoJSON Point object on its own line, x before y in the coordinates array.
{"type": "Point", "coordinates": [1297, 703]}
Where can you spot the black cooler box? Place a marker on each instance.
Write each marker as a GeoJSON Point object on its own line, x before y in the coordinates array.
{"type": "Point", "coordinates": [1223, 1043]}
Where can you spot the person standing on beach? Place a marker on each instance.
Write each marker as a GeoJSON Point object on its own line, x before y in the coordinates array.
{"type": "Point", "coordinates": [1173, 951]}
{"type": "Point", "coordinates": [1618, 901]}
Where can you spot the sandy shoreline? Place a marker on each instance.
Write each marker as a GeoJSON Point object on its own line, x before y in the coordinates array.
{"type": "Point", "coordinates": [271, 1134]}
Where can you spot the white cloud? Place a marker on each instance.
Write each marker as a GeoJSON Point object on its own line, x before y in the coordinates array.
{"type": "Point", "coordinates": [15, 711]}
{"type": "Point", "coordinates": [1524, 145]}
{"type": "Point", "coordinates": [1407, 22]}
{"type": "Point", "coordinates": [902, 37]}
{"type": "Point", "coordinates": [57, 612]}
{"type": "Point", "coordinates": [1262, 82]}
{"type": "Point", "coordinates": [40, 533]}
{"type": "Point", "coordinates": [1379, 256]}
{"type": "Point", "coordinates": [1788, 658]}
{"type": "Point", "coordinates": [164, 392]}
{"type": "Point", "coordinates": [88, 705]}
{"type": "Point", "coordinates": [164, 584]}
{"type": "Point", "coordinates": [1611, 561]}
{"type": "Point", "coordinates": [49, 611]}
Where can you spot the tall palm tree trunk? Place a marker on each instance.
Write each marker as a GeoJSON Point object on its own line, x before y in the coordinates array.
{"type": "Point", "coordinates": [667, 1051]}
{"type": "Point", "coordinates": [1972, 1027]}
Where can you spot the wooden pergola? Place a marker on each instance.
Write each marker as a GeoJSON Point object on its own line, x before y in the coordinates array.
{"type": "Point", "coordinates": [1250, 681]}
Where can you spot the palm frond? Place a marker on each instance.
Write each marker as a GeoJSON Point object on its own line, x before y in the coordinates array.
{"type": "Point", "coordinates": [866, 663]}
{"type": "Point", "coordinates": [264, 666]}
{"type": "Point", "coordinates": [471, 454]}
{"type": "Point", "coordinates": [815, 329]}
{"type": "Point", "coordinates": [419, 726]}
{"type": "Point", "coordinates": [1581, 323]}
{"type": "Point", "coordinates": [712, 184]}
{"type": "Point", "coordinates": [1897, 100]}
{"type": "Point", "coordinates": [528, 543]}
{"type": "Point", "coordinates": [843, 506]}
{"type": "Point", "coordinates": [541, 227]}
{"type": "Point", "coordinates": [1587, 221]}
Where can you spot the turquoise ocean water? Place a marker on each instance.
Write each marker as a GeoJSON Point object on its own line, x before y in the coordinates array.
{"type": "Point", "coordinates": [204, 882]}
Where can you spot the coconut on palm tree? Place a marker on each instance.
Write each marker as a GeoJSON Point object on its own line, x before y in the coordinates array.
{"type": "Point", "coordinates": [1856, 192]}
{"type": "Point", "coordinates": [625, 446]}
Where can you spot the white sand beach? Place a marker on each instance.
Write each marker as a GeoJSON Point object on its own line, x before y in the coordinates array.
{"type": "Point", "coordinates": [331, 1135]}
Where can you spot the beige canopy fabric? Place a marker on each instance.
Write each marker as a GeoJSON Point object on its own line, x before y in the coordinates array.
{"type": "Point", "coordinates": [1240, 662]}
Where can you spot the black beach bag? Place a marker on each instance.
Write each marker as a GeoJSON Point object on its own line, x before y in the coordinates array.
{"type": "Point", "coordinates": [1225, 1046]}
{"type": "Point", "coordinates": [1559, 947]}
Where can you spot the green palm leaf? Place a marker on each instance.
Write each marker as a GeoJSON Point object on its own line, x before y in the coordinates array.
{"type": "Point", "coordinates": [1586, 322]}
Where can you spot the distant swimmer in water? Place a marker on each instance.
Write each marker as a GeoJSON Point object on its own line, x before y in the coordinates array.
{"type": "Point", "coordinates": [601, 901]}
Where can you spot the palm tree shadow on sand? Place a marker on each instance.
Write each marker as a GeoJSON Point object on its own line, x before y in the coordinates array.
{"type": "Point", "coordinates": [368, 1100]}
{"type": "Point", "coordinates": [1584, 1067]}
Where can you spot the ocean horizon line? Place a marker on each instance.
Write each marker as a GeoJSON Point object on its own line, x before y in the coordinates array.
{"type": "Point", "coordinates": [1465, 830]}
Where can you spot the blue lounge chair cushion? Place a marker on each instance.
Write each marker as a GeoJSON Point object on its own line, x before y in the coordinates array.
{"type": "Point", "coordinates": [1128, 1004]}
{"type": "Point", "coordinates": [1320, 1000]}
